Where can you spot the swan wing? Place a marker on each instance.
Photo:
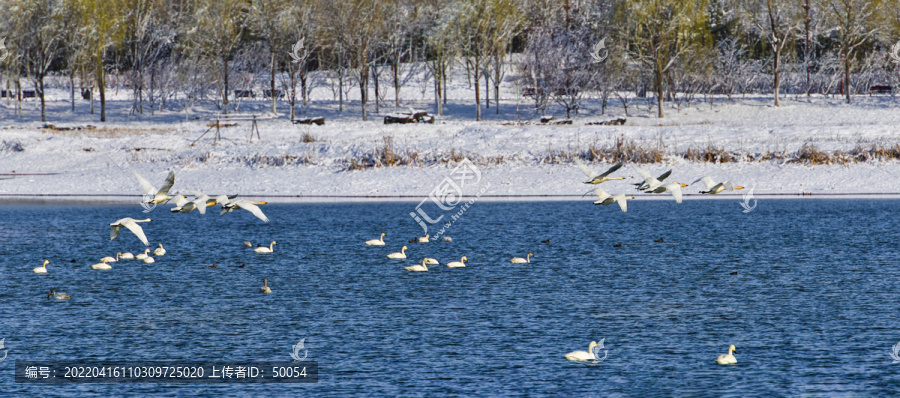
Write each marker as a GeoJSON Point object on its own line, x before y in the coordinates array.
{"type": "Point", "coordinates": [675, 189]}
{"type": "Point", "coordinates": [663, 176]}
{"type": "Point", "coordinates": [601, 194]}
{"type": "Point", "coordinates": [728, 184]}
{"type": "Point", "coordinates": [145, 185]}
{"type": "Point", "coordinates": [584, 169]}
{"type": "Point", "coordinates": [612, 169]}
{"type": "Point", "coordinates": [246, 205]}
{"type": "Point", "coordinates": [180, 201]}
{"type": "Point", "coordinates": [620, 199]}
{"type": "Point", "coordinates": [114, 232]}
{"type": "Point", "coordinates": [137, 230]}
{"type": "Point", "coordinates": [641, 172]}
{"type": "Point", "coordinates": [706, 180]}
{"type": "Point", "coordinates": [167, 185]}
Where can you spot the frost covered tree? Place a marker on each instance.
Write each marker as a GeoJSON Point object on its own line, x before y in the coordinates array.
{"type": "Point", "coordinates": [777, 22]}
{"type": "Point", "coordinates": [149, 33]}
{"type": "Point", "coordinates": [660, 32]}
{"type": "Point", "coordinates": [853, 23]}
{"type": "Point", "coordinates": [101, 22]}
{"type": "Point", "coordinates": [215, 34]}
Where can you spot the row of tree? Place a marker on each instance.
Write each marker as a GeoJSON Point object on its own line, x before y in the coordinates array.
{"type": "Point", "coordinates": [567, 49]}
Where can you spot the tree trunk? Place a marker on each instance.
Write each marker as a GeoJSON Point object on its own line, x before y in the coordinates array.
{"type": "Point", "coordinates": [377, 96]}
{"type": "Point", "coordinates": [659, 92]}
{"type": "Point", "coordinates": [777, 73]}
{"type": "Point", "coordinates": [272, 83]}
{"type": "Point", "coordinates": [41, 93]}
{"type": "Point", "coordinates": [847, 76]}
{"type": "Point", "coordinates": [102, 85]}
{"type": "Point", "coordinates": [340, 90]}
{"type": "Point", "coordinates": [225, 86]}
{"type": "Point", "coordinates": [363, 85]}
{"type": "Point", "coordinates": [72, 91]}
{"type": "Point", "coordinates": [395, 69]}
{"type": "Point", "coordinates": [477, 94]}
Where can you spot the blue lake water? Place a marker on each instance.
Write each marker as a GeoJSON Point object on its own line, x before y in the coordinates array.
{"type": "Point", "coordinates": [806, 289]}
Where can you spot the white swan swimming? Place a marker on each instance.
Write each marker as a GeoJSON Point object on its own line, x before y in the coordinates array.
{"type": "Point", "coordinates": [110, 259]}
{"type": "Point", "coordinates": [53, 294]}
{"type": "Point", "coordinates": [417, 267]}
{"type": "Point", "coordinates": [673, 187]}
{"type": "Point", "coordinates": [132, 226]}
{"type": "Point", "coordinates": [713, 187]}
{"type": "Point", "coordinates": [607, 199]}
{"type": "Point", "coordinates": [649, 183]}
{"type": "Point", "coordinates": [458, 264]}
{"type": "Point", "coordinates": [252, 207]}
{"type": "Point", "coordinates": [248, 244]}
{"type": "Point", "coordinates": [727, 359]}
{"type": "Point", "coordinates": [149, 260]}
{"type": "Point", "coordinates": [520, 260]}
{"type": "Point", "coordinates": [583, 355]}
{"type": "Point", "coordinates": [263, 249]}
{"type": "Point", "coordinates": [42, 269]}
{"type": "Point", "coordinates": [376, 242]}
{"type": "Point", "coordinates": [101, 265]}
{"type": "Point", "coordinates": [160, 251]}
{"type": "Point", "coordinates": [431, 261]}
{"type": "Point", "coordinates": [400, 254]}
{"type": "Point", "coordinates": [265, 287]}
{"type": "Point", "coordinates": [143, 255]}
{"type": "Point", "coordinates": [446, 239]}
{"type": "Point", "coordinates": [126, 256]}
{"type": "Point", "coordinates": [595, 178]}
{"type": "Point", "coordinates": [160, 195]}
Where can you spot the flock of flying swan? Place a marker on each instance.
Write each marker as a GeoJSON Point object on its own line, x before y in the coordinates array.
{"type": "Point", "coordinates": [155, 196]}
{"type": "Point", "coordinates": [649, 184]}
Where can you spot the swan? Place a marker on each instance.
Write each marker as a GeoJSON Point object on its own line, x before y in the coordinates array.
{"type": "Point", "coordinates": [263, 249]}
{"type": "Point", "coordinates": [607, 199]}
{"type": "Point", "coordinates": [595, 178]}
{"type": "Point", "coordinates": [132, 226]}
{"type": "Point", "coordinates": [446, 239]}
{"type": "Point", "coordinates": [160, 195]}
{"type": "Point", "coordinates": [180, 202]}
{"type": "Point", "coordinates": [376, 242]}
{"type": "Point", "coordinates": [431, 261]}
{"type": "Point", "coordinates": [713, 188]}
{"type": "Point", "coordinates": [417, 267]}
{"type": "Point", "coordinates": [424, 239]}
{"type": "Point", "coordinates": [727, 359]}
{"type": "Point", "coordinates": [252, 207]}
{"type": "Point", "coordinates": [143, 255]}
{"type": "Point", "coordinates": [219, 200]}
{"type": "Point", "coordinates": [201, 202]}
{"type": "Point", "coordinates": [52, 294]}
{"type": "Point", "coordinates": [42, 269]}
{"type": "Point", "coordinates": [109, 259]}
{"type": "Point", "coordinates": [101, 265]}
{"type": "Point", "coordinates": [583, 355]}
{"type": "Point", "coordinates": [400, 254]}
{"type": "Point", "coordinates": [520, 260]}
{"type": "Point", "coordinates": [248, 244]}
{"type": "Point", "coordinates": [649, 182]}
{"type": "Point", "coordinates": [673, 187]}
{"type": "Point", "coordinates": [126, 256]}
{"type": "Point", "coordinates": [265, 287]}
{"type": "Point", "coordinates": [149, 260]}
{"type": "Point", "coordinates": [458, 264]}
{"type": "Point", "coordinates": [160, 251]}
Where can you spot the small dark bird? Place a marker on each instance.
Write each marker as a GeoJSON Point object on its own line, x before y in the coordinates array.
{"type": "Point", "coordinates": [545, 241]}
{"type": "Point", "coordinates": [660, 240]}
{"type": "Point", "coordinates": [212, 266]}
{"type": "Point", "coordinates": [617, 245]}
{"type": "Point", "coordinates": [734, 273]}
{"type": "Point", "coordinates": [414, 240]}
{"type": "Point", "coordinates": [242, 266]}
{"type": "Point", "coordinates": [74, 260]}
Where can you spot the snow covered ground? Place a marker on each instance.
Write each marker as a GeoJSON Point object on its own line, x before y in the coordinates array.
{"type": "Point", "coordinates": [519, 160]}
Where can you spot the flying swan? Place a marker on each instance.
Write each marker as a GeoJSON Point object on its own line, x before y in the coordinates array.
{"type": "Point", "coordinates": [594, 178]}
{"type": "Point", "coordinates": [132, 226]}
